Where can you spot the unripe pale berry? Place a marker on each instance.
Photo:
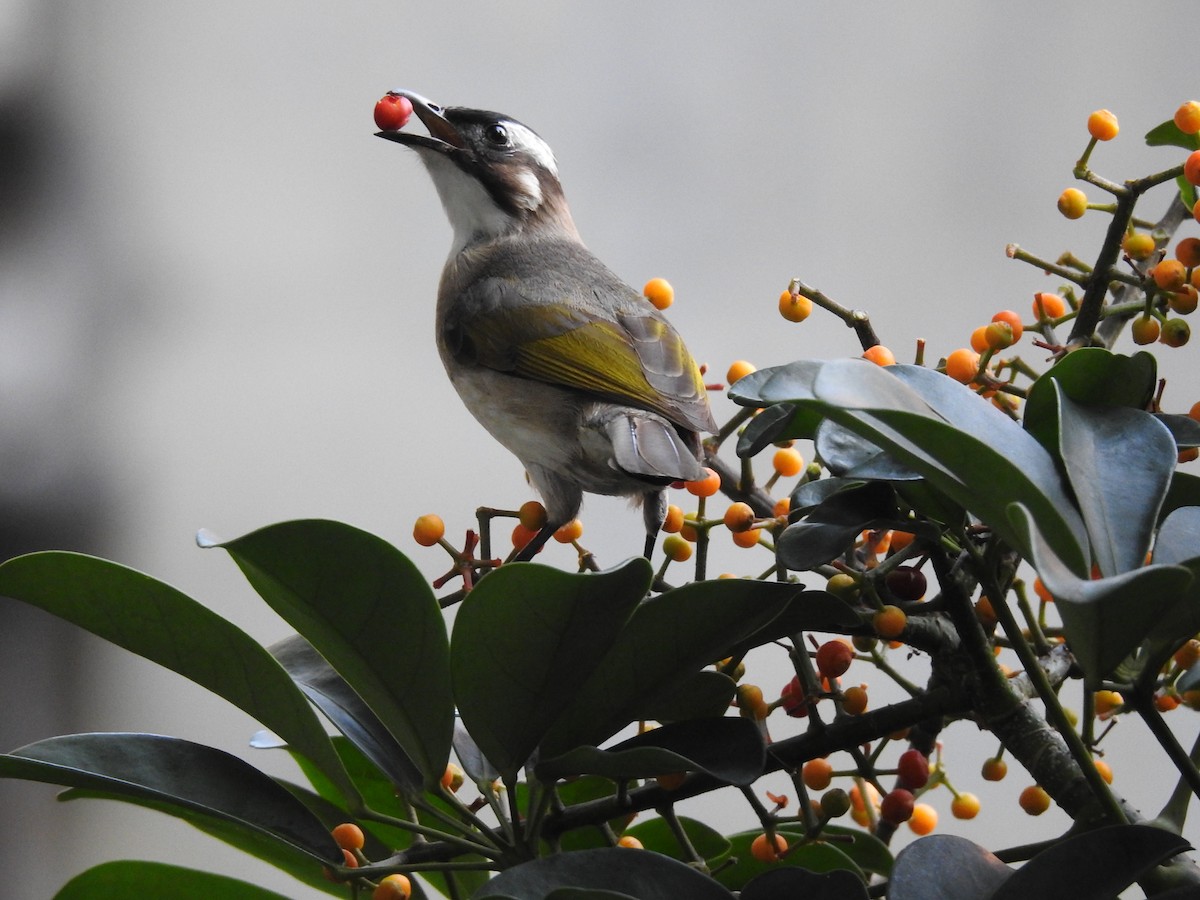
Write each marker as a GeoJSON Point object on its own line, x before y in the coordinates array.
{"type": "Point", "coordinates": [965, 806]}
{"type": "Point", "coordinates": [677, 548]}
{"type": "Point", "coordinates": [1072, 203]}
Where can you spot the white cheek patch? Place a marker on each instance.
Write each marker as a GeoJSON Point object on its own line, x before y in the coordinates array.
{"type": "Point", "coordinates": [531, 190]}
{"type": "Point", "coordinates": [524, 139]}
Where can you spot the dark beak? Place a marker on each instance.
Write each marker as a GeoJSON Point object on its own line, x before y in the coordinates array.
{"type": "Point", "coordinates": [443, 137]}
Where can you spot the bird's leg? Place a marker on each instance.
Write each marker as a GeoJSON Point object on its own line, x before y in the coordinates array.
{"type": "Point", "coordinates": [536, 543]}
{"type": "Point", "coordinates": [654, 513]}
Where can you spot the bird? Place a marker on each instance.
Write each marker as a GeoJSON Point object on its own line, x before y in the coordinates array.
{"type": "Point", "coordinates": [567, 366]}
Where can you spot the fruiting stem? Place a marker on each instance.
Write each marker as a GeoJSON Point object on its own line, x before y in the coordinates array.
{"type": "Point", "coordinates": [854, 318]}
{"type": "Point", "coordinates": [1143, 702]}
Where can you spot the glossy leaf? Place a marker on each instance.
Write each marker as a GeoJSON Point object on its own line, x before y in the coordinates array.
{"type": "Point", "coordinates": [781, 422]}
{"type": "Point", "coordinates": [865, 850]}
{"type": "Point", "coordinates": [525, 640]}
{"type": "Point", "coordinates": [1120, 462]}
{"type": "Point", "coordinates": [728, 748]}
{"type": "Point", "coordinates": [790, 884]}
{"type": "Point", "coordinates": [1105, 619]}
{"type": "Point", "coordinates": [665, 641]}
{"type": "Point", "coordinates": [778, 384]}
{"type": "Point", "coordinates": [1184, 491]}
{"type": "Point", "coordinates": [1184, 429]}
{"type": "Point", "coordinates": [702, 695]}
{"type": "Point", "coordinates": [474, 763]}
{"type": "Point", "coordinates": [829, 529]}
{"type": "Point", "coordinates": [850, 455]}
{"type": "Point", "coordinates": [818, 856]}
{"type": "Point", "coordinates": [656, 835]}
{"type": "Point", "coordinates": [180, 773]}
{"type": "Point", "coordinates": [123, 879]}
{"type": "Point", "coordinates": [646, 876]}
{"type": "Point", "coordinates": [947, 867]}
{"type": "Point", "coordinates": [1178, 544]}
{"type": "Point", "coordinates": [1168, 134]}
{"type": "Point", "coordinates": [809, 611]}
{"type": "Point", "coordinates": [370, 613]}
{"type": "Point", "coordinates": [330, 693]}
{"type": "Point", "coordinates": [1069, 867]}
{"type": "Point", "coordinates": [156, 621]}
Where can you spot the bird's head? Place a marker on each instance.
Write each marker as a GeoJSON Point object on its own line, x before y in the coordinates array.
{"type": "Point", "coordinates": [496, 177]}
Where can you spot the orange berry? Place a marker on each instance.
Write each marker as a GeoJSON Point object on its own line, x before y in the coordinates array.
{"type": "Point", "coordinates": [923, 819]}
{"type": "Point", "coordinates": [532, 515]}
{"type": "Point", "coordinates": [764, 849]}
{"type": "Point", "coordinates": [676, 547]}
{"type": "Point", "coordinates": [994, 769]}
{"type": "Point", "coordinates": [1169, 275]}
{"type": "Point", "coordinates": [1072, 203]}
{"type": "Point", "coordinates": [747, 539]}
{"type": "Point", "coordinates": [880, 355]}
{"type": "Point", "coordinates": [999, 336]}
{"type": "Point", "coordinates": [1196, 207]}
{"type": "Point", "coordinates": [521, 536]}
{"type": "Point", "coordinates": [1184, 300]}
{"type": "Point", "coordinates": [688, 529]}
{"type": "Point", "coordinates": [986, 613]}
{"type": "Point", "coordinates": [1104, 769]}
{"type": "Point", "coordinates": [817, 774]}
{"type": "Point", "coordinates": [788, 462]}
{"type": "Point", "coordinates": [1187, 455]}
{"type": "Point", "coordinates": [979, 339]}
{"type": "Point", "coordinates": [750, 702]}
{"type": "Point", "coordinates": [705, 486]}
{"type": "Point", "coordinates": [782, 507]}
{"type": "Point", "coordinates": [1034, 800]}
{"type": "Point", "coordinates": [854, 700]}
{"type": "Point", "coordinates": [629, 841]}
{"type": "Point", "coordinates": [793, 307]}
{"type": "Point", "coordinates": [1048, 306]}
{"type": "Point", "coordinates": [428, 530]}
{"type": "Point", "coordinates": [671, 781]}
{"type": "Point", "coordinates": [1175, 333]}
{"type": "Point", "coordinates": [348, 836]}
{"type": "Point", "coordinates": [834, 658]}
{"type": "Point", "coordinates": [738, 370]}
{"type": "Point", "coordinates": [1187, 252]}
{"type": "Point", "coordinates": [962, 365]}
{"type": "Point", "coordinates": [1191, 167]}
{"type": "Point", "coordinates": [453, 778]}
{"type": "Point", "coordinates": [572, 531]}
{"type": "Point", "coordinates": [659, 292]}
{"type": "Point", "coordinates": [393, 887]}
{"type": "Point", "coordinates": [964, 806]}
{"type": "Point", "coordinates": [739, 517]}
{"type": "Point", "coordinates": [349, 860]}
{"type": "Point", "coordinates": [1144, 330]}
{"type": "Point", "coordinates": [1165, 702]}
{"type": "Point", "coordinates": [1107, 702]}
{"type": "Point", "coordinates": [889, 622]}
{"type": "Point", "coordinates": [897, 806]}
{"type": "Point", "coordinates": [1102, 125]}
{"type": "Point", "coordinates": [1187, 117]}
{"type": "Point", "coordinates": [1138, 245]}
{"type": "Point", "coordinates": [674, 520]}
{"type": "Point", "coordinates": [900, 540]}
{"type": "Point", "coordinates": [1187, 655]}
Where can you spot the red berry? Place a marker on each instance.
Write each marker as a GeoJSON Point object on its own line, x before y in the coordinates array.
{"type": "Point", "coordinates": [897, 806]}
{"type": "Point", "coordinates": [913, 769]}
{"type": "Point", "coordinates": [834, 658]}
{"type": "Point", "coordinates": [906, 583]}
{"type": "Point", "coordinates": [392, 112]}
{"type": "Point", "coordinates": [792, 699]}
{"type": "Point", "coordinates": [1191, 168]}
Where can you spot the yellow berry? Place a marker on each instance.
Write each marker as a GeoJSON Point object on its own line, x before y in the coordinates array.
{"type": "Point", "coordinates": [1107, 702]}
{"type": "Point", "coordinates": [843, 586]}
{"type": "Point", "coordinates": [428, 530]}
{"type": "Point", "coordinates": [964, 806]}
{"type": "Point", "coordinates": [676, 547]}
{"type": "Point", "coordinates": [923, 819]}
{"type": "Point", "coordinates": [793, 307]}
{"type": "Point", "coordinates": [1144, 330]}
{"type": "Point", "coordinates": [751, 704]}
{"type": "Point", "coordinates": [738, 370]}
{"type": "Point", "coordinates": [1138, 245]}
{"type": "Point", "coordinates": [1072, 203]}
{"type": "Point", "coordinates": [889, 622]}
{"type": "Point", "coordinates": [999, 336]}
{"type": "Point", "coordinates": [1104, 769]}
{"type": "Point", "coordinates": [453, 778]}
{"type": "Point", "coordinates": [1102, 125]}
{"type": "Point", "coordinates": [659, 292]}
{"type": "Point", "coordinates": [1187, 117]}
{"type": "Point", "coordinates": [674, 520]}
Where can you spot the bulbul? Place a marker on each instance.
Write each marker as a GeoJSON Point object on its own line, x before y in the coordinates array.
{"type": "Point", "coordinates": [567, 366]}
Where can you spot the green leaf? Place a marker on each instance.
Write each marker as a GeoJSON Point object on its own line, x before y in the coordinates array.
{"type": "Point", "coordinates": [646, 876]}
{"type": "Point", "coordinates": [1069, 867]}
{"type": "Point", "coordinates": [819, 856]}
{"type": "Point", "coordinates": [782, 422]}
{"type": "Point", "coordinates": [810, 611]}
{"type": "Point", "coordinates": [330, 693]}
{"type": "Point", "coordinates": [1105, 619]}
{"type": "Point", "coordinates": [369, 612]}
{"type": "Point", "coordinates": [1092, 376]}
{"type": "Point", "coordinates": [1184, 491]}
{"type": "Point", "coordinates": [868, 852]}
{"type": "Point", "coordinates": [525, 640]}
{"type": "Point", "coordinates": [1168, 135]}
{"type": "Point", "coordinates": [155, 621]}
{"type": "Point", "coordinates": [851, 456]}
{"type": "Point", "coordinates": [959, 442]}
{"type": "Point", "coordinates": [666, 640]}
{"type": "Point", "coordinates": [702, 695]}
{"type": "Point", "coordinates": [948, 867]}
{"type": "Point", "coordinates": [656, 835]}
{"type": "Point", "coordinates": [789, 884]}
{"type": "Point", "coordinates": [122, 879]}
{"type": "Point", "coordinates": [180, 773]}
{"type": "Point", "coordinates": [778, 384]}
{"type": "Point", "coordinates": [1120, 462]}
{"type": "Point", "coordinates": [829, 529]}
{"type": "Point", "coordinates": [730, 749]}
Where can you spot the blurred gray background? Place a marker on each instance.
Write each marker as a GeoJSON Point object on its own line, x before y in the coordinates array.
{"type": "Point", "coordinates": [216, 286]}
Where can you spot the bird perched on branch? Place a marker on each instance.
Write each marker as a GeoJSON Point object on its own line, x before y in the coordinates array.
{"type": "Point", "coordinates": [566, 365]}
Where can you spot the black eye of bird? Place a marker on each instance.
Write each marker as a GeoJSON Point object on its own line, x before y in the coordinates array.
{"type": "Point", "coordinates": [497, 135]}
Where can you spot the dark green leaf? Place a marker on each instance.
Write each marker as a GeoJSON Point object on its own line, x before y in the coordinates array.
{"type": "Point", "coordinates": [1119, 461]}
{"type": "Point", "coordinates": [947, 867]}
{"type": "Point", "coordinates": [812, 494]}
{"type": "Point", "coordinates": [819, 856]}
{"type": "Point", "coordinates": [1069, 867]}
{"type": "Point", "coordinates": [853, 456]}
{"type": "Point", "coordinates": [370, 613]}
{"type": "Point", "coordinates": [789, 884]}
{"type": "Point", "coordinates": [1184, 491]}
{"type": "Point", "coordinates": [656, 835]}
{"type": "Point", "coordinates": [730, 749]}
{"type": "Point", "coordinates": [810, 611]}
{"type": "Point", "coordinates": [781, 422]}
{"type": "Point", "coordinates": [868, 852]}
{"type": "Point", "coordinates": [1187, 191]}
{"type": "Point", "coordinates": [330, 693]}
{"type": "Point", "coordinates": [1105, 619]}
{"type": "Point", "coordinates": [180, 773]}
{"type": "Point", "coordinates": [155, 621]}
{"type": "Point", "coordinates": [778, 384]}
{"type": "Point", "coordinates": [665, 641]}
{"type": "Point", "coordinates": [829, 529]}
{"type": "Point", "coordinates": [1168, 135]}
{"type": "Point", "coordinates": [123, 879]}
{"type": "Point", "coordinates": [574, 893]}
{"type": "Point", "coordinates": [646, 876]}
{"type": "Point", "coordinates": [474, 763]}
{"type": "Point", "coordinates": [702, 694]}
{"type": "Point", "coordinates": [525, 640]}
